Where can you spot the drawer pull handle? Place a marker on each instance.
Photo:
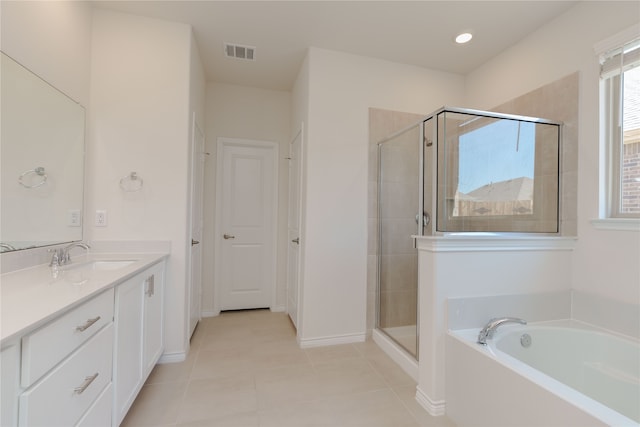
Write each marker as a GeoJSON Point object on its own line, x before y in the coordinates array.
{"type": "Point", "coordinates": [87, 382]}
{"type": "Point", "coordinates": [87, 325]}
{"type": "Point", "coordinates": [151, 286]}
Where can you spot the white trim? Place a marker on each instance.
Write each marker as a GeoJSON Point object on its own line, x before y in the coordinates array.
{"type": "Point", "coordinates": [617, 40]}
{"type": "Point", "coordinates": [221, 143]}
{"type": "Point", "coordinates": [209, 313]}
{"type": "Point", "coordinates": [397, 354]}
{"type": "Point", "coordinates": [277, 308]}
{"type": "Point", "coordinates": [488, 242]}
{"type": "Point", "coordinates": [334, 340]}
{"type": "Point", "coordinates": [435, 408]}
{"type": "Point", "coordinates": [172, 357]}
{"type": "Point", "coordinates": [624, 224]}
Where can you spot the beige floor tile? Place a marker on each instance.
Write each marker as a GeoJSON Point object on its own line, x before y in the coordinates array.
{"type": "Point", "coordinates": [216, 364]}
{"type": "Point", "coordinates": [172, 372]}
{"type": "Point", "coordinates": [328, 379]}
{"type": "Point", "coordinates": [156, 405]}
{"type": "Point", "coordinates": [272, 355]}
{"type": "Point", "coordinates": [332, 353]}
{"type": "Point", "coordinates": [371, 409]}
{"type": "Point", "coordinates": [368, 347]}
{"type": "Point", "coordinates": [249, 419]}
{"type": "Point", "coordinates": [215, 398]}
{"type": "Point", "coordinates": [392, 373]}
{"type": "Point", "coordinates": [245, 369]}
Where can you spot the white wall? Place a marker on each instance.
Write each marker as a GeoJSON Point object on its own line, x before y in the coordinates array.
{"type": "Point", "coordinates": [139, 120]}
{"type": "Point", "coordinates": [52, 39]}
{"type": "Point", "coordinates": [605, 262]}
{"type": "Point", "coordinates": [249, 113]}
{"type": "Point", "coordinates": [341, 89]}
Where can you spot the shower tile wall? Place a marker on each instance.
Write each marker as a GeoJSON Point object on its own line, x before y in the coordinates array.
{"type": "Point", "coordinates": [557, 101]}
{"type": "Point", "coordinates": [398, 300]}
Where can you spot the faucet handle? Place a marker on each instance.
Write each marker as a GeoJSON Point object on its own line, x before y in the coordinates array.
{"type": "Point", "coordinates": [55, 258]}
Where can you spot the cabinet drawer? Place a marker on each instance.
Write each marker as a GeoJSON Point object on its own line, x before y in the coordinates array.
{"type": "Point", "coordinates": [46, 347]}
{"type": "Point", "coordinates": [67, 392]}
{"type": "Point", "coordinates": [99, 414]}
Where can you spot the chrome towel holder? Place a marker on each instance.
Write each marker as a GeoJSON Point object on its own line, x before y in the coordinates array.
{"type": "Point", "coordinates": [37, 171]}
{"type": "Point", "coordinates": [131, 183]}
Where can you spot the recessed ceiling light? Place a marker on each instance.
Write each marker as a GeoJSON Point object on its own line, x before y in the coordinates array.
{"type": "Point", "coordinates": [463, 38]}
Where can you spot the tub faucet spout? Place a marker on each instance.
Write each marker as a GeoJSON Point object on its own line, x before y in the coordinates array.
{"type": "Point", "coordinates": [493, 324]}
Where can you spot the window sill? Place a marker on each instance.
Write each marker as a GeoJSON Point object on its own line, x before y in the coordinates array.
{"type": "Point", "coordinates": [624, 224]}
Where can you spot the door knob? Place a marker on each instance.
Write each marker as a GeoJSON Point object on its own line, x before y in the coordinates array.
{"type": "Point", "coordinates": [195, 242]}
{"type": "Point", "coordinates": [296, 241]}
{"type": "Point", "coordinates": [229, 236]}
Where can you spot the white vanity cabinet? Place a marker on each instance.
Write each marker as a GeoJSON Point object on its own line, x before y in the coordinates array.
{"type": "Point", "coordinates": [66, 366]}
{"type": "Point", "coordinates": [84, 353]}
{"type": "Point", "coordinates": [9, 385]}
{"type": "Point", "coordinates": [139, 335]}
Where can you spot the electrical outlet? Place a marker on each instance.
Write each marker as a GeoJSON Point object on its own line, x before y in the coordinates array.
{"type": "Point", "coordinates": [101, 218]}
{"type": "Point", "coordinates": [75, 219]}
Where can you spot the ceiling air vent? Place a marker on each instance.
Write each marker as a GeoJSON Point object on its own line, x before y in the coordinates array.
{"type": "Point", "coordinates": [239, 52]}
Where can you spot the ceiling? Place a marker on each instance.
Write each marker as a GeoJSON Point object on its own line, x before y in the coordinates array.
{"type": "Point", "coordinates": [418, 33]}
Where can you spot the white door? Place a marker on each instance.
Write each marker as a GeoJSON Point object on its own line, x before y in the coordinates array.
{"type": "Point", "coordinates": [293, 253]}
{"type": "Point", "coordinates": [197, 186]}
{"type": "Point", "coordinates": [246, 224]}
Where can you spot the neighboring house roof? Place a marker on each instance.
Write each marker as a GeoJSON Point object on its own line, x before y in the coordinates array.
{"type": "Point", "coordinates": [512, 189]}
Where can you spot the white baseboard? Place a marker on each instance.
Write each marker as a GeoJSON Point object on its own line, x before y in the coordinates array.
{"type": "Point", "coordinates": [407, 362]}
{"type": "Point", "coordinates": [434, 407]}
{"type": "Point", "coordinates": [277, 309]}
{"type": "Point", "coordinates": [173, 357]}
{"type": "Point", "coordinates": [335, 340]}
{"type": "Point", "coordinates": [210, 313]}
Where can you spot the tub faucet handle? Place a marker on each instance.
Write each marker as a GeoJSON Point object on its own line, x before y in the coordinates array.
{"type": "Point", "coordinates": [493, 324]}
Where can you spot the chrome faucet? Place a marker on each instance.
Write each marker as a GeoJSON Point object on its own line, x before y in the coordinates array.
{"type": "Point", "coordinates": [66, 257]}
{"type": "Point", "coordinates": [5, 247]}
{"type": "Point", "coordinates": [61, 256]}
{"type": "Point", "coordinates": [493, 324]}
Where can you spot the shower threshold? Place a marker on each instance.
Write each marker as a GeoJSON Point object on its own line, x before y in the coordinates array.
{"type": "Point", "coordinates": [396, 352]}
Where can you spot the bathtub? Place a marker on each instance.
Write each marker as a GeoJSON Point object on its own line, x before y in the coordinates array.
{"type": "Point", "coordinates": [558, 374]}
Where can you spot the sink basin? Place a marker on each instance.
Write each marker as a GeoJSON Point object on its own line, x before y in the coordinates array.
{"type": "Point", "coordinates": [102, 265]}
{"type": "Point", "coordinates": [110, 264]}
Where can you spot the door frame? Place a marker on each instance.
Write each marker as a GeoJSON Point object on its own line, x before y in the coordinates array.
{"type": "Point", "coordinates": [197, 154]}
{"type": "Point", "coordinates": [223, 142]}
{"type": "Point", "coordinates": [298, 266]}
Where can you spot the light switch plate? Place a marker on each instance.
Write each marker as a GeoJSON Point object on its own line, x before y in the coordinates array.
{"type": "Point", "coordinates": [74, 218]}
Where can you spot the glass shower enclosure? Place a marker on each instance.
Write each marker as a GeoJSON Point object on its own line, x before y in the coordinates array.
{"type": "Point", "coordinates": [458, 171]}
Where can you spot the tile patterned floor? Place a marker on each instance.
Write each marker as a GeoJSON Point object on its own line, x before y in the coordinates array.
{"type": "Point", "coordinates": [245, 369]}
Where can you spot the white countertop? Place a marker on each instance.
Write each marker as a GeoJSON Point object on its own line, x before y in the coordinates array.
{"type": "Point", "coordinates": [31, 297]}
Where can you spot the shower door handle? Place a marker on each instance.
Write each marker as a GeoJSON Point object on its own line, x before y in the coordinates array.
{"type": "Point", "coordinates": [426, 219]}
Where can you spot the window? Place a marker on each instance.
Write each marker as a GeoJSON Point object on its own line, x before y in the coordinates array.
{"type": "Point", "coordinates": [497, 173]}
{"type": "Point", "coordinates": [620, 75]}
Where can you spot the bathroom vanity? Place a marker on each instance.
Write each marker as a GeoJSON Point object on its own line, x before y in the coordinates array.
{"type": "Point", "coordinates": [78, 342]}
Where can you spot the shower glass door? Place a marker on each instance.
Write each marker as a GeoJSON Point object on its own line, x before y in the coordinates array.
{"type": "Point", "coordinates": [398, 201]}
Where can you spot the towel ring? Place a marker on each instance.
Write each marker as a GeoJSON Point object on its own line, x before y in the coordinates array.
{"type": "Point", "coordinates": [37, 171]}
{"type": "Point", "coordinates": [131, 183]}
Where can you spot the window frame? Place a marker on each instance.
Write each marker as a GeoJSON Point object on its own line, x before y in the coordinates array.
{"type": "Point", "coordinates": [611, 53]}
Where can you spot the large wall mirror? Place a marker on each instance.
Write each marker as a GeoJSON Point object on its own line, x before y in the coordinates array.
{"type": "Point", "coordinates": [42, 159]}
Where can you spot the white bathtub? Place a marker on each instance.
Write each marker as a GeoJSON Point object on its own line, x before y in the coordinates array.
{"type": "Point", "coordinates": [570, 375]}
